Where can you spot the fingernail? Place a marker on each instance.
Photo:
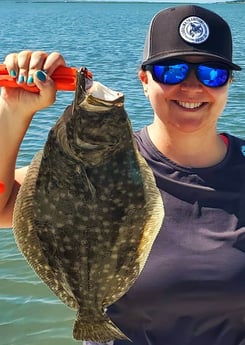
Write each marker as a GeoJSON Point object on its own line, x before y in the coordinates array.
{"type": "Point", "coordinates": [41, 75]}
{"type": "Point", "coordinates": [21, 79]}
{"type": "Point", "coordinates": [13, 73]}
{"type": "Point", "coordinates": [30, 79]}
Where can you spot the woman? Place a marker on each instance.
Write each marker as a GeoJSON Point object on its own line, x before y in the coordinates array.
{"type": "Point", "coordinates": [192, 289]}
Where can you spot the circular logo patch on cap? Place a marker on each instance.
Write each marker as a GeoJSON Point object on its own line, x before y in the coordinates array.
{"type": "Point", "coordinates": [194, 30]}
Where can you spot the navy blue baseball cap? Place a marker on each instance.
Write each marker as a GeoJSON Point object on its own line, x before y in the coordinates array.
{"type": "Point", "coordinates": [188, 30]}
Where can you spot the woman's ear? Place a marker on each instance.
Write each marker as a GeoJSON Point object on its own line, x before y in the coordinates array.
{"type": "Point", "coordinates": [144, 80]}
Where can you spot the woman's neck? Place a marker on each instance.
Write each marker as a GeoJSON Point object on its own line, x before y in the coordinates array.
{"type": "Point", "coordinates": [197, 149]}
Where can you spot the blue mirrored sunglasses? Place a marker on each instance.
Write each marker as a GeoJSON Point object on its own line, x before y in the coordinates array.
{"type": "Point", "coordinates": [171, 72]}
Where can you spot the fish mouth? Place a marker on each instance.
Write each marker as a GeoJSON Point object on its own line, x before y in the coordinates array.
{"type": "Point", "coordinates": [104, 93]}
{"type": "Point", "coordinates": [94, 96]}
{"type": "Point", "coordinates": [99, 98]}
{"type": "Point", "coordinates": [190, 105]}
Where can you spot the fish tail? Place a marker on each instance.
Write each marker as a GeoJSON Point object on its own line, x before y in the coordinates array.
{"type": "Point", "coordinates": [98, 331]}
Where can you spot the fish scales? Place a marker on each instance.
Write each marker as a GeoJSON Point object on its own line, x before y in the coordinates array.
{"type": "Point", "coordinates": [89, 210]}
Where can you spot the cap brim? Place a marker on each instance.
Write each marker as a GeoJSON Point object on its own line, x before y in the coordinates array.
{"type": "Point", "coordinates": [181, 54]}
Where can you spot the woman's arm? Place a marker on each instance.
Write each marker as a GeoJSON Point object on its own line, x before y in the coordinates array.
{"type": "Point", "coordinates": [17, 108]}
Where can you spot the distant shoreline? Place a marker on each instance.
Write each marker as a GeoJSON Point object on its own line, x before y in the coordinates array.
{"type": "Point", "coordinates": [102, 1]}
{"type": "Point", "coordinates": [122, 1]}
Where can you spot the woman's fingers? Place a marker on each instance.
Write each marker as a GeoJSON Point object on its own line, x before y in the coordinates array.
{"type": "Point", "coordinates": [24, 64]}
{"type": "Point", "coordinates": [53, 61]}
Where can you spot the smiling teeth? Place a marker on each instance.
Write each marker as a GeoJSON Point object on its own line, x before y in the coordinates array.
{"type": "Point", "coordinates": [189, 105]}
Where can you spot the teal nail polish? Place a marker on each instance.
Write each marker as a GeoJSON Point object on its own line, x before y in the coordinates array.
{"type": "Point", "coordinates": [41, 75]}
{"type": "Point", "coordinates": [21, 79]}
{"type": "Point", "coordinates": [30, 79]}
{"type": "Point", "coordinates": [13, 73]}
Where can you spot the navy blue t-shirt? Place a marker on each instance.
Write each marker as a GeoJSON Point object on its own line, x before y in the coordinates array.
{"type": "Point", "coordinates": [192, 288]}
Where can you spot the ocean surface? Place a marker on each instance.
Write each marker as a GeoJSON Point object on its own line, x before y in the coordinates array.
{"type": "Point", "coordinates": [107, 38]}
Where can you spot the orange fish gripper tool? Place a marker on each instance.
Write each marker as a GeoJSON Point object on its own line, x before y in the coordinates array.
{"type": "Point", "coordinates": [64, 78]}
{"type": "Point", "coordinates": [2, 187]}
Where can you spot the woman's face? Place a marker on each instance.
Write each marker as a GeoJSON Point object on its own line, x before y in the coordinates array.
{"type": "Point", "coordinates": [189, 106]}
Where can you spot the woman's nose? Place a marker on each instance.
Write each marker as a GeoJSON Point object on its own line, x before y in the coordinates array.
{"type": "Point", "coordinates": [191, 82]}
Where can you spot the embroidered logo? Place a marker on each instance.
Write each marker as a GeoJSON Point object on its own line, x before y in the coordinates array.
{"type": "Point", "coordinates": [194, 30]}
{"type": "Point", "coordinates": [243, 150]}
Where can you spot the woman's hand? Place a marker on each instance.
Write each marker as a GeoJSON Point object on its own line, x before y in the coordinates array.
{"type": "Point", "coordinates": [33, 68]}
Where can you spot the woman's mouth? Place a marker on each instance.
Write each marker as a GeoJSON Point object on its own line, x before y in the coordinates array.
{"type": "Point", "coordinates": [189, 105]}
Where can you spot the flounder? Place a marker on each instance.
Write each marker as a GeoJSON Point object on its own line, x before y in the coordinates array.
{"type": "Point", "coordinates": [89, 210]}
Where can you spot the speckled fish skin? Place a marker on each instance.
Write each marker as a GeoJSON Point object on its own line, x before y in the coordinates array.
{"type": "Point", "coordinates": [89, 211]}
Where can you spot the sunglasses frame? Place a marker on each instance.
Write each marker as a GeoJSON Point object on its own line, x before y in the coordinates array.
{"type": "Point", "coordinates": [191, 66]}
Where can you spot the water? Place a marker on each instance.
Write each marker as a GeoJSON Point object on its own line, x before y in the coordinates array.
{"type": "Point", "coordinates": [108, 39]}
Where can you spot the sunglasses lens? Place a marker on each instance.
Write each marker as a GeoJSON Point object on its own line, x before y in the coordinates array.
{"type": "Point", "coordinates": [212, 76]}
{"type": "Point", "coordinates": [170, 74]}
